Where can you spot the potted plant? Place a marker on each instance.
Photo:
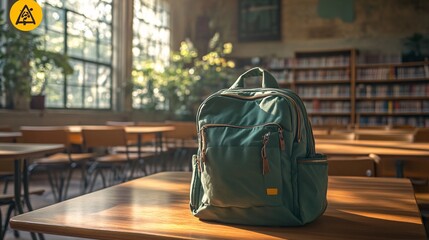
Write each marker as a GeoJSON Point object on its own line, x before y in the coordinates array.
{"type": "Point", "coordinates": [188, 78]}
{"type": "Point", "coordinates": [45, 63]}
{"type": "Point", "coordinates": [415, 46]}
{"type": "Point", "coordinates": [21, 58]}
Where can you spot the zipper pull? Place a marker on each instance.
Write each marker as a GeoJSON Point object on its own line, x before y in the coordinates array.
{"type": "Point", "coordinates": [282, 140]}
{"type": "Point", "coordinates": [265, 163]}
{"type": "Point", "coordinates": [203, 148]}
{"type": "Point", "coordinates": [198, 164]}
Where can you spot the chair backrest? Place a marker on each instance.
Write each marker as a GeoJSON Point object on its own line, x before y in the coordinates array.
{"type": "Point", "coordinates": [363, 166]}
{"type": "Point", "coordinates": [5, 128]}
{"type": "Point", "coordinates": [107, 136]}
{"type": "Point", "coordinates": [340, 135]}
{"type": "Point", "coordinates": [183, 130]}
{"type": "Point", "coordinates": [38, 134]}
{"type": "Point", "coordinates": [421, 135]}
{"type": "Point", "coordinates": [116, 123]}
{"type": "Point", "coordinates": [398, 137]}
{"type": "Point", "coordinates": [150, 138]}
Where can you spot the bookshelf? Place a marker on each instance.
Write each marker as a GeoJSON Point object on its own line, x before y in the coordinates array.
{"type": "Point", "coordinates": [342, 87]}
{"type": "Point", "coordinates": [392, 94]}
{"type": "Point", "coordinates": [324, 81]}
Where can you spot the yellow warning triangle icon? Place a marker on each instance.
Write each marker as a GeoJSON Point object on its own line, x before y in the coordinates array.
{"type": "Point", "coordinates": [25, 16]}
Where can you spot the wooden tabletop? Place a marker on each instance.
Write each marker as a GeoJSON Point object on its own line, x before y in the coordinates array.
{"type": "Point", "coordinates": [157, 207]}
{"type": "Point", "coordinates": [333, 149]}
{"type": "Point", "coordinates": [128, 129]}
{"type": "Point", "coordinates": [23, 150]}
{"type": "Point", "coordinates": [373, 143]}
{"type": "Point", "coordinates": [10, 134]}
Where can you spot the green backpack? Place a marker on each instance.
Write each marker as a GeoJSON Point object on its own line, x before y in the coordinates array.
{"type": "Point", "coordinates": [256, 162]}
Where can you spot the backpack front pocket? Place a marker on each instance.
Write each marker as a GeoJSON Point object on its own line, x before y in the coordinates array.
{"type": "Point", "coordinates": [241, 166]}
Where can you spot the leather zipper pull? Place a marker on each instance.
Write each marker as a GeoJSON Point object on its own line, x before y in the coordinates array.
{"type": "Point", "coordinates": [282, 140]}
{"type": "Point", "coordinates": [265, 163]}
{"type": "Point", "coordinates": [203, 149]}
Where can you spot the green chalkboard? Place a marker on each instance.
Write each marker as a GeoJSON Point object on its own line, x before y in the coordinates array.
{"type": "Point", "coordinates": [259, 20]}
{"type": "Point", "coordinates": [343, 9]}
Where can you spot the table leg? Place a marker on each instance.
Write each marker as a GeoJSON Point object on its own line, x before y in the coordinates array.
{"type": "Point", "coordinates": [22, 180]}
{"type": "Point", "coordinates": [399, 168]}
{"type": "Point", "coordinates": [17, 187]}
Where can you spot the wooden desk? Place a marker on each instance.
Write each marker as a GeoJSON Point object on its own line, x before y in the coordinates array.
{"type": "Point", "coordinates": [20, 152]}
{"type": "Point", "coordinates": [9, 137]}
{"type": "Point", "coordinates": [157, 207]}
{"type": "Point", "coordinates": [371, 143]}
{"type": "Point", "coordinates": [393, 158]}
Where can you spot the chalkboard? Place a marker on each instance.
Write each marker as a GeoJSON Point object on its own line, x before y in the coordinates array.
{"type": "Point", "coordinates": [259, 20]}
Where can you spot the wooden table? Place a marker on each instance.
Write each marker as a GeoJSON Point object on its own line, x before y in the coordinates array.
{"type": "Point", "coordinates": [393, 158]}
{"type": "Point", "coordinates": [372, 143]}
{"type": "Point", "coordinates": [157, 207]}
{"type": "Point", "coordinates": [75, 132]}
{"type": "Point", "coordinates": [9, 136]}
{"type": "Point", "coordinates": [19, 152]}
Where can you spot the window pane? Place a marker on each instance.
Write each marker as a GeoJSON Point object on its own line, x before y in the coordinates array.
{"type": "Point", "coordinates": [104, 97]}
{"type": "Point", "coordinates": [90, 97]}
{"type": "Point", "coordinates": [54, 96]}
{"type": "Point", "coordinates": [104, 77]}
{"type": "Point", "coordinates": [151, 40]}
{"type": "Point", "coordinates": [105, 53]}
{"type": "Point", "coordinates": [55, 18]}
{"type": "Point", "coordinates": [78, 75]}
{"type": "Point", "coordinates": [55, 40]}
{"type": "Point", "coordinates": [74, 97]}
{"type": "Point", "coordinates": [88, 46]}
{"type": "Point", "coordinates": [90, 74]}
{"type": "Point", "coordinates": [75, 46]}
{"type": "Point", "coordinates": [90, 50]}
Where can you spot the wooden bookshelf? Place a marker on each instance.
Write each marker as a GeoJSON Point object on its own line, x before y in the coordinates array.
{"type": "Point", "coordinates": [323, 80]}
{"type": "Point", "coordinates": [339, 88]}
{"type": "Point", "coordinates": [392, 94]}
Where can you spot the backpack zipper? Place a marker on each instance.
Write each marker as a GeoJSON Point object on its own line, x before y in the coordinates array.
{"type": "Point", "coordinates": [295, 106]}
{"type": "Point", "coordinates": [203, 141]}
{"type": "Point", "coordinates": [265, 163]}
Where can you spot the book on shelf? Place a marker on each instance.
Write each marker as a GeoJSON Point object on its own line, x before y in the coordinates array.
{"type": "Point", "coordinates": [321, 75]}
{"type": "Point", "coordinates": [371, 58]}
{"type": "Point", "coordinates": [392, 90]}
{"type": "Point", "coordinates": [324, 91]}
{"type": "Point", "coordinates": [317, 106]}
{"type": "Point", "coordinates": [393, 120]}
{"type": "Point", "coordinates": [401, 106]}
{"type": "Point", "coordinates": [410, 72]}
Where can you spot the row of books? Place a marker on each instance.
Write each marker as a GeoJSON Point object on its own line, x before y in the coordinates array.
{"type": "Point", "coordinates": [332, 61]}
{"type": "Point", "coordinates": [374, 74]}
{"type": "Point", "coordinates": [321, 75]}
{"type": "Point", "coordinates": [370, 58]}
{"type": "Point", "coordinates": [324, 91]}
{"type": "Point", "coordinates": [285, 76]}
{"type": "Point", "coordinates": [344, 121]}
{"type": "Point", "coordinates": [393, 73]}
{"type": "Point", "coordinates": [393, 107]}
{"type": "Point", "coordinates": [392, 90]}
{"type": "Point", "coordinates": [317, 106]}
{"type": "Point", "coordinates": [412, 72]}
{"type": "Point", "coordinates": [419, 121]}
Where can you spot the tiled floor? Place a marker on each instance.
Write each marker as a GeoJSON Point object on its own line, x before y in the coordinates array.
{"type": "Point", "coordinates": [40, 180]}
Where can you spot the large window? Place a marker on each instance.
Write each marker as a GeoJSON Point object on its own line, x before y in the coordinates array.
{"type": "Point", "coordinates": [151, 42]}
{"type": "Point", "coordinates": [82, 29]}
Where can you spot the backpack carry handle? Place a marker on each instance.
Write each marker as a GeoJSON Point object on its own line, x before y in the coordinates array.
{"type": "Point", "coordinates": [268, 80]}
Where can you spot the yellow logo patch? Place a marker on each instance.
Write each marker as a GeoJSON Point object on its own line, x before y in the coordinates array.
{"type": "Point", "coordinates": [26, 15]}
{"type": "Point", "coordinates": [272, 191]}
